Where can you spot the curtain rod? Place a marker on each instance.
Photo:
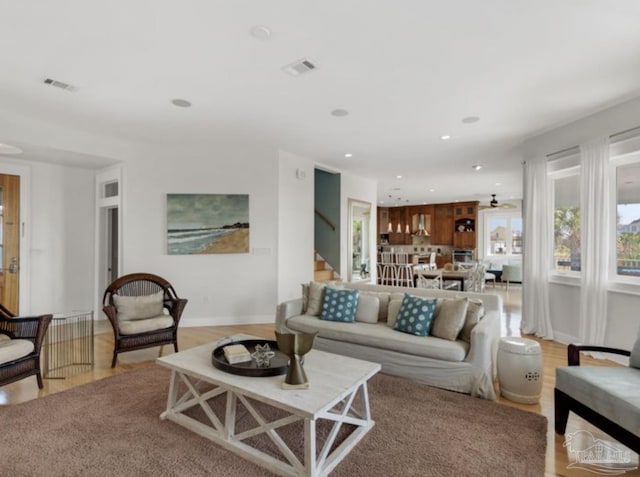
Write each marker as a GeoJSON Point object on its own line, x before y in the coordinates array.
{"type": "Point", "coordinates": [612, 136]}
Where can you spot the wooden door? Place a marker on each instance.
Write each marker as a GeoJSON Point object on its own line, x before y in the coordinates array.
{"type": "Point", "coordinates": [10, 241]}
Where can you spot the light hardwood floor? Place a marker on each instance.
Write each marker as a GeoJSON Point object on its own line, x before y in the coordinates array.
{"type": "Point", "coordinates": [554, 354]}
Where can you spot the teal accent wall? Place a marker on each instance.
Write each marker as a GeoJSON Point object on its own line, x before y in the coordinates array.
{"type": "Point", "coordinates": [327, 201]}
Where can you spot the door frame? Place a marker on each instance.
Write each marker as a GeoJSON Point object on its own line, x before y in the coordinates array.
{"type": "Point", "coordinates": [24, 172]}
{"type": "Point", "coordinates": [105, 176]}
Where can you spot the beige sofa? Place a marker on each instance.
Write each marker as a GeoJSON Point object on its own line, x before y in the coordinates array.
{"type": "Point", "coordinates": [456, 365]}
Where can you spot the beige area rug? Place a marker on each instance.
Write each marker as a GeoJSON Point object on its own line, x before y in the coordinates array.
{"type": "Point", "coordinates": [111, 428]}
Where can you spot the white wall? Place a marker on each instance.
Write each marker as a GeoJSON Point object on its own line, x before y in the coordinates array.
{"type": "Point", "coordinates": [58, 215]}
{"type": "Point", "coordinates": [221, 288]}
{"type": "Point", "coordinates": [622, 316]}
{"type": "Point", "coordinates": [295, 224]}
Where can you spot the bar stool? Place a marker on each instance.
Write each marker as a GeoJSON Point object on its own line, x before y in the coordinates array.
{"type": "Point", "coordinates": [404, 270]}
{"type": "Point", "coordinates": [388, 274]}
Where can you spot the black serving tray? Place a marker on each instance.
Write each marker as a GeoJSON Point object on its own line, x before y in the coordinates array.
{"type": "Point", "coordinates": [278, 365]}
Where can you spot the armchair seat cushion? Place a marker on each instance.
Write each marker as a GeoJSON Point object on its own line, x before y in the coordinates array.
{"type": "Point", "coordinates": [132, 327]}
{"type": "Point", "coordinates": [10, 350]}
{"type": "Point", "coordinates": [610, 391]}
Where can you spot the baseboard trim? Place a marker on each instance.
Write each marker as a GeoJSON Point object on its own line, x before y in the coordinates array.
{"type": "Point", "coordinates": [565, 338]}
{"type": "Point", "coordinates": [194, 321]}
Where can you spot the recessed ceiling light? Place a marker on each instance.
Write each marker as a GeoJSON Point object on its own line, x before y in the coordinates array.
{"type": "Point", "coordinates": [339, 112]}
{"type": "Point", "coordinates": [432, 190]}
{"type": "Point", "coordinates": [382, 201]}
{"type": "Point", "coordinates": [498, 183]}
{"type": "Point", "coordinates": [181, 103]}
{"type": "Point", "coordinates": [476, 167]}
{"type": "Point", "coordinates": [398, 177]}
{"type": "Point", "coordinates": [8, 149]}
{"type": "Point", "coordinates": [470, 119]}
{"type": "Point", "coordinates": [445, 137]}
{"type": "Point", "coordinates": [348, 155]}
{"type": "Point", "coordinates": [260, 32]}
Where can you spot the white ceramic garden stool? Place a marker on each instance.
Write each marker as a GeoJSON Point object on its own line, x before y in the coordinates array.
{"type": "Point", "coordinates": [520, 369]}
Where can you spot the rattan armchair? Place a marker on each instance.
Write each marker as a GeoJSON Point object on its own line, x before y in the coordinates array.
{"type": "Point", "coordinates": [32, 329]}
{"type": "Point", "coordinates": [142, 285]}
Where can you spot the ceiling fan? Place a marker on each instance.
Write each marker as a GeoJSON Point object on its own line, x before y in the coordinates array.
{"type": "Point", "coordinates": [493, 204]}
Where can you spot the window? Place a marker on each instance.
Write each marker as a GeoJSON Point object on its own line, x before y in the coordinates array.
{"type": "Point", "coordinates": [566, 223]}
{"type": "Point", "coordinates": [628, 220]}
{"type": "Point", "coordinates": [505, 234]}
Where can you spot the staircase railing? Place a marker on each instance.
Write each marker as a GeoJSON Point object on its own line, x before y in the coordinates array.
{"type": "Point", "coordinates": [326, 219]}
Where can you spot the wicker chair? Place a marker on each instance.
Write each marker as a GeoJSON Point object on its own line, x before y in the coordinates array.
{"type": "Point", "coordinates": [150, 333]}
{"type": "Point", "coordinates": [20, 330]}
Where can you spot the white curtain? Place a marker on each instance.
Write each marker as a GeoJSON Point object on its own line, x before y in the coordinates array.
{"type": "Point", "coordinates": [538, 250]}
{"type": "Point", "coordinates": [594, 244]}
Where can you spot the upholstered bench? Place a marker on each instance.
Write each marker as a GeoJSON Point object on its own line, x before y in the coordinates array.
{"type": "Point", "coordinates": [606, 396]}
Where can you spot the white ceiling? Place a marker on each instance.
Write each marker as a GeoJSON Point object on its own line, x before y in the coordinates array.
{"type": "Point", "coordinates": [407, 71]}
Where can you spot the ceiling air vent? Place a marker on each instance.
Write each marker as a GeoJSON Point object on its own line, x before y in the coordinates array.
{"type": "Point", "coordinates": [60, 84]}
{"type": "Point", "coordinates": [299, 67]}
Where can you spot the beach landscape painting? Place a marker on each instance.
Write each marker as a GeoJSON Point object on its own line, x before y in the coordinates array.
{"type": "Point", "coordinates": [207, 223]}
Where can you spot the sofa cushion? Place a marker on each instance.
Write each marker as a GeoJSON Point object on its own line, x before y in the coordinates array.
{"type": "Point", "coordinates": [138, 307]}
{"type": "Point", "coordinates": [368, 308]}
{"type": "Point", "coordinates": [314, 301]}
{"type": "Point", "coordinates": [339, 305]}
{"type": "Point", "coordinates": [131, 327]}
{"type": "Point", "coordinates": [449, 318]}
{"type": "Point", "coordinates": [475, 312]}
{"type": "Point", "coordinates": [10, 350]}
{"type": "Point", "coordinates": [416, 315]}
{"type": "Point", "coordinates": [382, 337]}
{"type": "Point", "coordinates": [609, 390]}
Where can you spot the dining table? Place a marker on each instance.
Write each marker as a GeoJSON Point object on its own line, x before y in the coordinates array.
{"type": "Point", "coordinates": [461, 276]}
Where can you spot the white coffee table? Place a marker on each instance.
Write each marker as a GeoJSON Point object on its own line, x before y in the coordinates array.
{"type": "Point", "coordinates": [337, 392]}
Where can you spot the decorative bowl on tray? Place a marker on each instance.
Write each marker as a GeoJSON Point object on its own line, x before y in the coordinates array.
{"type": "Point", "coordinates": [277, 364]}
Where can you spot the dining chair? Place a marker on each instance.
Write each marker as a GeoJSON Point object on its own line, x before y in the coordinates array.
{"type": "Point", "coordinates": [432, 261]}
{"type": "Point", "coordinates": [427, 282]}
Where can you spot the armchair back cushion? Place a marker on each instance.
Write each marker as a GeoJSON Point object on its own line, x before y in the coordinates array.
{"type": "Point", "coordinates": [138, 307]}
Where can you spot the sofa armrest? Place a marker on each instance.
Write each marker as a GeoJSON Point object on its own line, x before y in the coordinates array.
{"type": "Point", "coordinates": [286, 310]}
{"type": "Point", "coordinates": [483, 348]}
{"type": "Point", "coordinates": [573, 352]}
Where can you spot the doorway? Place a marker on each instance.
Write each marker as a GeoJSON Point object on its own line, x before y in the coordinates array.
{"type": "Point", "coordinates": [359, 249]}
{"type": "Point", "coordinates": [10, 242]}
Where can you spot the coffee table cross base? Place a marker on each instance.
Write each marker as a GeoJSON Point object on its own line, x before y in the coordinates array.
{"type": "Point", "coordinates": [353, 409]}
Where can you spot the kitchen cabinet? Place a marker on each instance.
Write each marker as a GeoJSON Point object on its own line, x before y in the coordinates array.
{"type": "Point", "coordinates": [442, 225]}
{"type": "Point", "coordinates": [465, 218]}
{"type": "Point", "coordinates": [383, 221]}
{"type": "Point", "coordinates": [399, 220]}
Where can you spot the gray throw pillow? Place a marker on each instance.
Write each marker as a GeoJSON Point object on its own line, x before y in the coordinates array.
{"type": "Point", "coordinates": [368, 307]}
{"type": "Point", "coordinates": [383, 300]}
{"type": "Point", "coordinates": [449, 319]}
{"type": "Point", "coordinates": [392, 314]}
{"type": "Point", "coordinates": [475, 312]}
{"type": "Point", "coordinates": [316, 295]}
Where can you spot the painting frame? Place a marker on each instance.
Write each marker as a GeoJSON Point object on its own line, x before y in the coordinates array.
{"type": "Point", "coordinates": [203, 224]}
